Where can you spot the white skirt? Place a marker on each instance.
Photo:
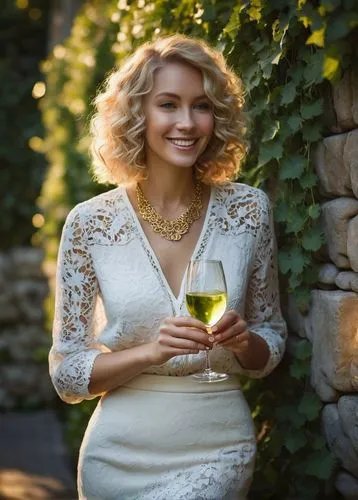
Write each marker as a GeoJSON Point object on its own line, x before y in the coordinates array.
{"type": "Point", "coordinates": [169, 438]}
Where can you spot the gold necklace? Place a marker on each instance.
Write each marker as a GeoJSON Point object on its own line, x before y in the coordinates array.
{"type": "Point", "coordinates": [171, 230]}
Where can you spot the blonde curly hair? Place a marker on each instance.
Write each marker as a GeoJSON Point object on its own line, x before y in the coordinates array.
{"type": "Point", "coordinates": [118, 125]}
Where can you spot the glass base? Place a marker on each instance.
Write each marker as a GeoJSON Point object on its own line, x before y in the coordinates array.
{"type": "Point", "coordinates": [209, 376]}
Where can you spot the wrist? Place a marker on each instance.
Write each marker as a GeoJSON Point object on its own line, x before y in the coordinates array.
{"type": "Point", "coordinates": [149, 355]}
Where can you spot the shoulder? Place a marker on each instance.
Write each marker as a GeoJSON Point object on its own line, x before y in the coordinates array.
{"type": "Point", "coordinates": [243, 195]}
{"type": "Point", "coordinates": [108, 203]}
{"type": "Point", "coordinates": [101, 219]}
{"type": "Point", "coordinates": [105, 202]}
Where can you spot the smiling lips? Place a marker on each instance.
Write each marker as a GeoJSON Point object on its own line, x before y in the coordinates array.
{"type": "Point", "coordinates": [183, 143]}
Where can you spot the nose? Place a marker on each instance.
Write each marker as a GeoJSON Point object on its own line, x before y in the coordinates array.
{"type": "Point", "coordinates": [185, 119]}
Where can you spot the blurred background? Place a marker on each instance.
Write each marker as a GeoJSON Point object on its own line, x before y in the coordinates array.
{"type": "Point", "coordinates": [53, 56]}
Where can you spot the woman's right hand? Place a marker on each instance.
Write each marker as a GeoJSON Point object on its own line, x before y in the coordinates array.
{"type": "Point", "coordinates": [177, 336]}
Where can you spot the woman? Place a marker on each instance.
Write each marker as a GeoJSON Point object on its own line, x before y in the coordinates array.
{"type": "Point", "coordinates": [169, 132]}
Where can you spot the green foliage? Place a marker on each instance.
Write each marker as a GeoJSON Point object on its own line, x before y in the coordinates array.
{"type": "Point", "coordinates": [285, 51]}
{"type": "Point", "coordinates": [22, 166]}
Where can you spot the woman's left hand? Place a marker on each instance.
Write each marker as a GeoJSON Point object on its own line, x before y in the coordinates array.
{"type": "Point", "coordinates": [231, 333]}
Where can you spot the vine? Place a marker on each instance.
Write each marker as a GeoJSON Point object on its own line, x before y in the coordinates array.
{"type": "Point", "coordinates": [287, 53]}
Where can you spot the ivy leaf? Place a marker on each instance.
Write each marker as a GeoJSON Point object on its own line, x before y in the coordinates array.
{"type": "Point", "coordinates": [312, 109]}
{"type": "Point", "coordinates": [301, 296]}
{"type": "Point", "coordinates": [310, 406]}
{"type": "Point", "coordinates": [308, 180]}
{"type": "Point", "coordinates": [294, 281]}
{"type": "Point", "coordinates": [252, 78]}
{"type": "Point", "coordinates": [288, 93]}
{"type": "Point", "coordinates": [294, 122]}
{"type": "Point", "coordinates": [311, 132]}
{"type": "Point", "coordinates": [313, 72]}
{"type": "Point", "coordinates": [292, 260]}
{"type": "Point", "coordinates": [254, 13]}
{"type": "Point", "coordinates": [297, 419]}
{"type": "Point", "coordinates": [295, 440]}
{"type": "Point", "coordinates": [299, 370]}
{"type": "Point", "coordinates": [312, 239]}
{"type": "Point", "coordinates": [234, 24]}
{"type": "Point", "coordinates": [283, 413]}
{"type": "Point", "coordinates": [303, 349]}
{"type": "Point", "coordinates": [314, 211]}
{"type": "Point", "coordinates": [330, 67]}
{"type": "Point", "coordinates": [280, 211]}
{"type": "Point", "coordinates": [270, 131]}
{"type": "Point", "coordinates": [293, 167]}
{"type": "Point", "coordinates": [295, 220]}
{"type": "Point", "coordinates": [338, 27]}
{"type": "Point", "coordinates": [209, 13]}
{"type": "Point", "coordinates": [318, 442]}
{"type": "Point", "coordinates": [317, 37]}
{"type": "Point", "coordinates": [320, 464]}
{"type": "Point", "coordinates": [269, 151]}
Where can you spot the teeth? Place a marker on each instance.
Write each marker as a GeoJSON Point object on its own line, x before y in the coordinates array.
{"type": "Point", "coordinates": [183, 142]}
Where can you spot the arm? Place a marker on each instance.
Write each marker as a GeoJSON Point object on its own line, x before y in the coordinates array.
{"type": "Point", "coordinates": [258, 342]}
{"type": "Point", "coordinates": [74, 347]}
{"type": "Point", "coordinates": [262, 312]}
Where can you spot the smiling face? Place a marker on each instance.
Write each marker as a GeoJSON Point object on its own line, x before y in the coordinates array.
{"type": "Point", "coordinates": [179, 117]}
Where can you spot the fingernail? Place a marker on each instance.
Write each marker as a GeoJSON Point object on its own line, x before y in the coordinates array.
{"type": "Point", "coordinates": [211, 338]}
{"type": "Point", "coordinates": [214, 329]}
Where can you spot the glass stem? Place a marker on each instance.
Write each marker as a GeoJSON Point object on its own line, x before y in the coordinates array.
{"type": "Point", "coordinates": [207, 366]}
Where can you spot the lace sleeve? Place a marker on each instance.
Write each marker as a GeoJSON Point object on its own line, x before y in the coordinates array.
{"type": "Point", "coordinates": [74, 346]}
{"type": "Point", "coordinates": [262, 308]}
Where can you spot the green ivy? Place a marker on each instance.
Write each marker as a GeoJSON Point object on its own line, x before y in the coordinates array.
{"type": "Point", "coordinates": [287, 52]}
{"type": "Point", "coordinates": [22, 46]}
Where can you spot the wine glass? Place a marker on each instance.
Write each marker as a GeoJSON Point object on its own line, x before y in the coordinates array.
{"type": "Point", "coordinates": [206, 299]}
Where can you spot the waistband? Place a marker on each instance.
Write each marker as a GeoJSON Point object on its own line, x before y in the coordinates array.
{"type": "Point", "coordinates": [164, 383]}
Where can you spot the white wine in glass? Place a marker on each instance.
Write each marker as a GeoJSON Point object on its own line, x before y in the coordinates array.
{"type": "Point", "coordinates": [206, 299]}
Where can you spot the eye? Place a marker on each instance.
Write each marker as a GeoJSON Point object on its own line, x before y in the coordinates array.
{"type": "Point", "coordinates": [167, 105]}
{"type": "Point", "coordinates": [203, 106]}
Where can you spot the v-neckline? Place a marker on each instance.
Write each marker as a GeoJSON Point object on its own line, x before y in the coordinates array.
{"type": "Point", "coordinates": [149, 249]}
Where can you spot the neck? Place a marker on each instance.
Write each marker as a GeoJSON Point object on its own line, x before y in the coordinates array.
{"type": "Point", "coordinates": [169, 187]}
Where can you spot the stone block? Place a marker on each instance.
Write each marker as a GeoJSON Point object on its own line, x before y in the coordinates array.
{"type": "Point", "coordinates": [352, 243]}
{"type": "Point", "coordinates": [348, 413]}
{"type": "Point", "coordinates": [331, 325]}
{"type": "Point", "coordinates": [9, 311]}
{"type": "Point", "coordinates": [347, 485]}
{"type": "Point", "coordinates": [30, 295]}
{"type": "Point", "coordinates": [333, 317]}
{"type": "Point", "coordinates": [327, 274]}
{"type": "Point", "coordinates": [350, 159]}
{"type": "Point", "coordinates": [336, 214]}
{"type": "Point", "coordinates": [26, 262]}
{"type": "Point", "coordinates": [354, 86]}
{"type": "Point", "coordinates": [333, 173]}
{"type": "Point", "coordinates": [347, 280]}
{"type": "Point", "coordinates": [337, 440]}
{"type": "Point", "coordinates": [344, 101]}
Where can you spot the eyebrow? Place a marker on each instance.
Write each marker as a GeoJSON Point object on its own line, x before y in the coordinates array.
{"type": "Point", "coordinates": [176, 96]}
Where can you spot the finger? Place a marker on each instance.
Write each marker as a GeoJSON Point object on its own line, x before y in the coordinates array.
{"type": "Point", "coordinates": [188, 322]}
{"type": "Point", "coordinates": [229, 318]}
{"type": "Point", "coordinates": [234, 330]}
{"type": "Point", "coordinates": [180, 343]}
{"type": "Point", "coordinates": [187, 333]}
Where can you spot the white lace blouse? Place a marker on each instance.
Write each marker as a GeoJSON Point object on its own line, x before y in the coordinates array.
{"type": "Point", "coordinates": [112, 294]}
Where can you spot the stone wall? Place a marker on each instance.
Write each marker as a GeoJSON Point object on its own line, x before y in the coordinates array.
{"type": "Point", "coordinates": [24, 343]}
{"type": "Point", "coordinates": [332, 321]}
